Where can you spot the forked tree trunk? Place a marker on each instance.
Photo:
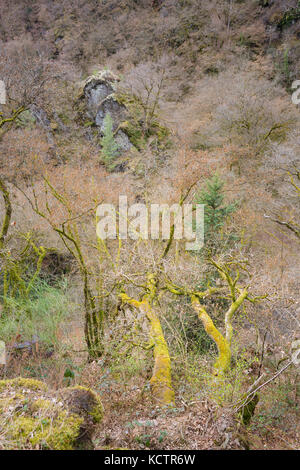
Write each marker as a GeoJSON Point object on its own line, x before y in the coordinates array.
{"type": "Point", "coordinates": [224, 353]}
{"type": "Point", "coordinates": [223, 344]}
{"type": "Point", "coordinates": [161, 381]}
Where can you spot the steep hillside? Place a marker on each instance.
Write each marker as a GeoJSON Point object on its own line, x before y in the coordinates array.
{"type": "Point", "coordinates": [164, 102]}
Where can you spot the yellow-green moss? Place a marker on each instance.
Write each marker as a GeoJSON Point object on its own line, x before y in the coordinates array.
{"type": "Point", "coordinates": [34, 417]}
{"type": "Point", "coordinates": [40, 405]}
{"type": "Point", "coordinates": [161, 381]}
{"type": "Point", "coordinates": [134, 133]}
{"type": "Point", "coordinates": [59, 433]}
{"type": "Point", "coordinates": [248, 409]}
{"type": "Point", "coordinates": [97, 412]}
{"type": "Point", "coordinates": [93, 407]}
{"type": "Point", "coordinates": [224, 357]}
{"type": "Point", "coordinates": [133, 127]}
{"type": "Point", "coordinates": [20, 382]}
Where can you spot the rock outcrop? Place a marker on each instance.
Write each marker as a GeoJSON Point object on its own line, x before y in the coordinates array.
{"type": "Point", "coordinates": [100, 98]}
{"type": "Point", "coordinates": [33, 417]}
{"type": "Point", "coordinates": [100, 95]}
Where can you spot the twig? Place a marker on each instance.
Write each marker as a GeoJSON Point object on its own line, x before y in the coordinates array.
{"type": "Point", "coordinates": [262, 385]}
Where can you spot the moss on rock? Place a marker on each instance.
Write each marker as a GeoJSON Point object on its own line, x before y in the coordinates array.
{"type": "Point", "coordinates": [60, 433]}
{"type": "Point", "coordinates": [100, 94]}
{"type": "Point", "coordinates": [21, 383]}
{"type": "Point", "coordinates": [33, 417]}
{"type": "Point", "coordinates": [84, 402]}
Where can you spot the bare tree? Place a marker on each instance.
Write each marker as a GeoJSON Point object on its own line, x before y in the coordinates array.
{"type": "Point", "coordinates": [25, 72]}
{"type": "Point", "coordinates": [146, 83]}
{"type": "Point", "coordinates": [292, 222]}
{"type": "Point", "coordinates": [238, 293]}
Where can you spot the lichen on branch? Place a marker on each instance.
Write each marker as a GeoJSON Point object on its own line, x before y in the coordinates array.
{"type": "Point", "coordinates": [161, 381]}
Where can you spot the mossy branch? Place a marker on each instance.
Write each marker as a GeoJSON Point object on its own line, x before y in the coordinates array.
{"type": "Point", "coordinates": [7, 212]}
{"type": "Point", "coordinates": [11, 119]}
{"type": "Point", "coordinates": [161, 382]}
{"type": "Point", "coordinates": [224, 353]}
{"type": "Point", "coordinates": [68, 233]}
{"type": "Point", "coordinates": [237, 295]}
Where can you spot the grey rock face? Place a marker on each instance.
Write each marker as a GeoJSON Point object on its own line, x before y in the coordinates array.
{"type": "Point", "coordinates": [123, 141]}
{"type": "Point", "coordinates": [99, 92]}
{"type": "Point", "coordinates": [95, 93]}
{"type": "Point", "coordinates": [111, 106]}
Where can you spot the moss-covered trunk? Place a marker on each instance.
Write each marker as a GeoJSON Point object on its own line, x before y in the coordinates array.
{"type": "Point", "coordinates": [224, 353]}
{"type": "Point", "coordinates": [161, 382]}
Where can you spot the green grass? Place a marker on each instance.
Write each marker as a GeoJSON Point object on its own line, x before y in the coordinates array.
{"type": "Point", "coordinates": [42, 314]}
